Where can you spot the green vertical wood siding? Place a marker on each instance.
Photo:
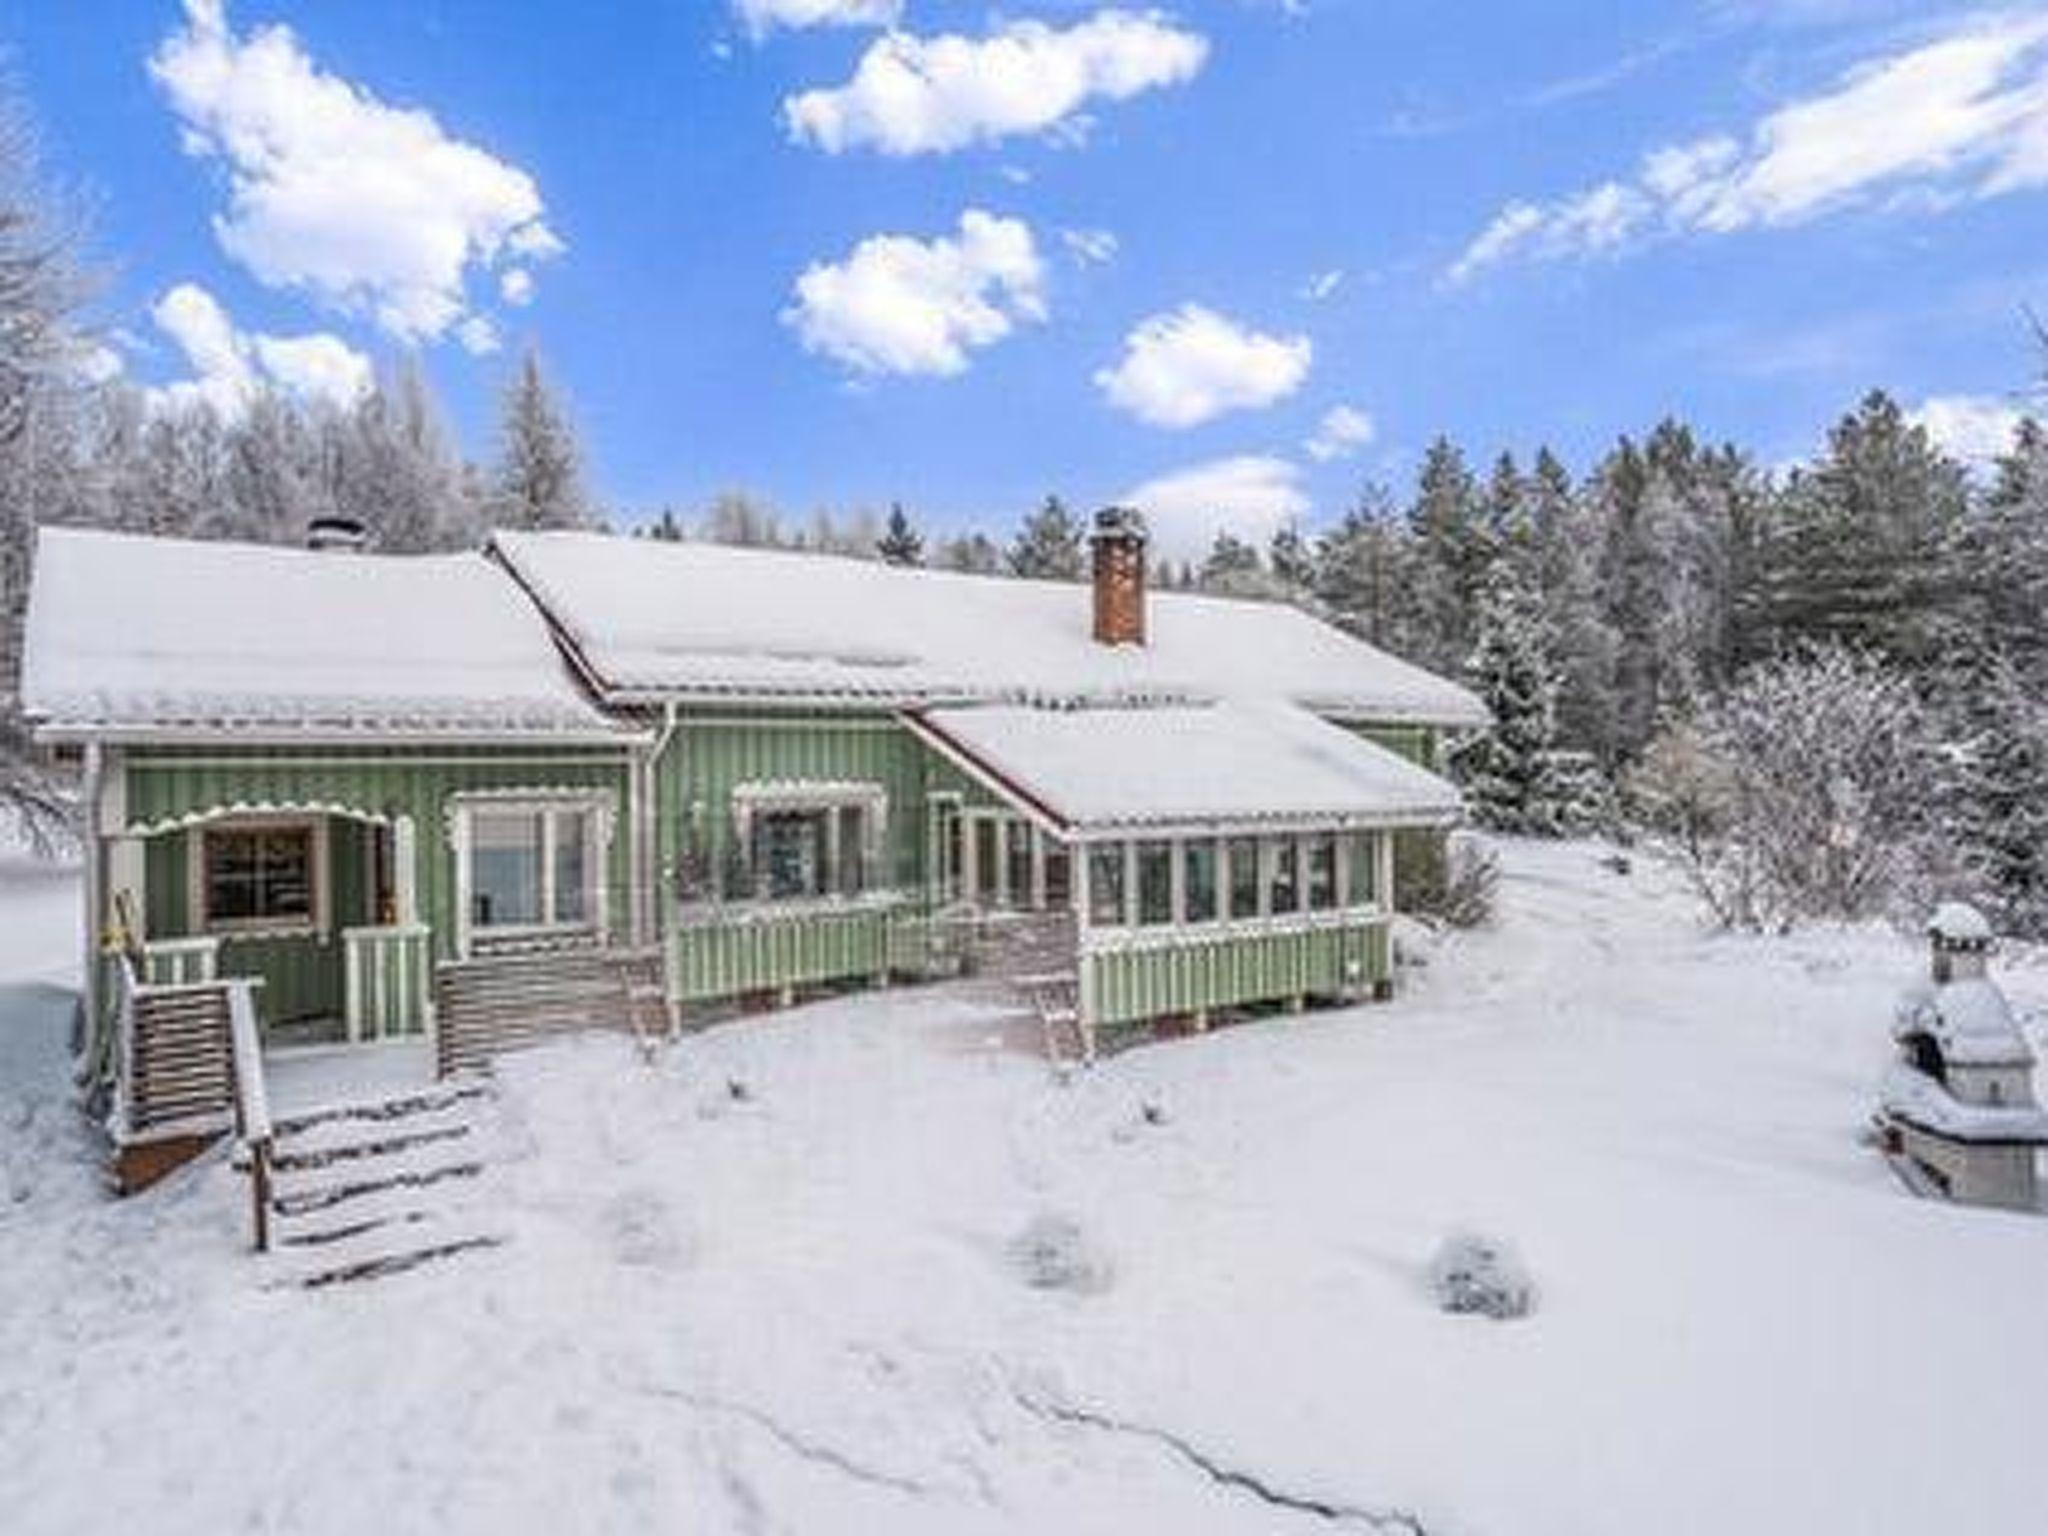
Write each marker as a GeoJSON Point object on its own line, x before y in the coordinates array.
{"type": "Point", "coordinates": [303, 977]}
{"type": "Point", "coordinates": [711, 753]}
{"type": "Point", "coordinates": [1190, 973]}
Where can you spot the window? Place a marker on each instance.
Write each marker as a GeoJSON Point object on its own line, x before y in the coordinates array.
{"type": "Point", "coordinates": [1155, 882]}
{"type": "Point", "coordinates": [1198, 882]}
{"type": "Point", "coordinates": [1360, 848]}
{"type": "Point", "coordinates": [1106, 884]}
{"type": "Point", "coordinates": [1017, 868]}
{"type": "Point", "coordinates": [789, 854]}
{"type": "Point", "coordinates": [1244, 877]}
{"type": "Point", "coordinates": [1059, 877]}
{"type": "Point", "coordinates": [531, 867]}
{"type": "Point", "coordinates": [1283, 883]}
{"type": "Point", "coordinates": [1322, 873]}
{"type": "Point", "coordinates": [258, 877]}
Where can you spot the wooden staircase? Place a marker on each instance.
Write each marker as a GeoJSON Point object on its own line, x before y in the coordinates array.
{"type": "Point", "coordinates": [1034, 958]}
{"type": "Point", "coordinates": [372, 1190]}
{"type": "Point", "coordinates": [496, 1003]}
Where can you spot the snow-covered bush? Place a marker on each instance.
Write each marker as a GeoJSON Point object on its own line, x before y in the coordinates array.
{"type": "Point", "coordinates": [1805, 791]}
{"type": "Point", "coordinates": [1055, 1253]}
{"type": "Point", "coordinates": [1456, 885]}
{"type": "Point", "coordinates": [1478, 1274]}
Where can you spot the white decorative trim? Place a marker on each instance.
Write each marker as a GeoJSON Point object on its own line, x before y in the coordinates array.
{"type": "Point", "coordinates": [603, 802]}
{"type": "Point", "coordinates": [273, 810]}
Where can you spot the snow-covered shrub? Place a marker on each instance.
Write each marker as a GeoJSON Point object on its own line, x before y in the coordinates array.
{"type": "Point", "coordinates": [1458, 886]}
{"type": "Point", "coordinates": [1805, 791]}
{"type": "Point", "coordinates": [1478, 1274]}
{"type": "Point", "coordinates": [1055, 1253]}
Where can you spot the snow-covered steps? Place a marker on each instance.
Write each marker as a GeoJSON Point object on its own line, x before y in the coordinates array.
{"type": "Point", "coordinates": [376, 1189]}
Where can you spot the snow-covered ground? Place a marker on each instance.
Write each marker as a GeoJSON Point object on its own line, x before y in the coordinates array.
{"type": "Point", "coordinates": [801, 1309]}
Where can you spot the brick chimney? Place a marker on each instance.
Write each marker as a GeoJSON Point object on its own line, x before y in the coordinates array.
{"type": "Point", "coordinates": [1119, 543]}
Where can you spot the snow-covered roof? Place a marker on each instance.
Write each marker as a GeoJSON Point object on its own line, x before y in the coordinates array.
{"type": "Point", "coordinates": [1958, 922]}
{"type": "Point", "coordinates": [1109, 768]}
{"type": "Point", "coordinates": [1969, 1020]}
{"type": "Point", "coordinates": [666, 620]}
{"type": "Point", "coordinates": [129, 633]}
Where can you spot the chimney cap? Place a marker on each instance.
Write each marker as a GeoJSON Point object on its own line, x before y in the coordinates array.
{"type": "Point", "coordinates": [337, 532]}
{"type": "Point", "coordinates": [1119, 523]}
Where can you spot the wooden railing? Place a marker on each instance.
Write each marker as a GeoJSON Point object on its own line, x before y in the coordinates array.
{"type": "Point", "coordinates": [388, 981]}
{"type": "Point", "coordinates": [174, 962]}
{"type": "Point", "coordinates": [253, 1133]}
{"type": "Point", "coordinates": [172, 1072]}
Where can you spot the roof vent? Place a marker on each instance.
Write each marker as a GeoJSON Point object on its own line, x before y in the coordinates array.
{"type": "Point", "coordinates": [346, 534]}
{"type": "Point", "coordinates": [1119, 540]}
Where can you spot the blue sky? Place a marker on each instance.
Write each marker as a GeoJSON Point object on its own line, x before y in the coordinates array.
{"type": "Point", "coordinates": [1240, 254]}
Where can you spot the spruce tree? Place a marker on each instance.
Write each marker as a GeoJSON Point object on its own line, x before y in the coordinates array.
{"type": "Point", "coordinates": [900, 543]}
{"type": "Point", "coordinates": [1233, 569]}
{"type": "Point", "coordinates": [539, 478]}
{"type": "Point", "coordinates": [1292, 561]}
{"type": "Point", "coordinates": [1511, 773]}
{"type": "Point", "coordinates": [1048, 546]}
{"type": "Point", "coordinates": [1453, 552]}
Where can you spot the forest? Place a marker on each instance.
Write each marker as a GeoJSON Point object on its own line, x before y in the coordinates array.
{"type": "Point", "coordinates": [1818, 688]}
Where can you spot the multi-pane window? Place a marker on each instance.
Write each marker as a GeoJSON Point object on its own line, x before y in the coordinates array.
{"type": "Point", "coordinates": [796, 854]}
{"type": "Point", "coordinates": [1106, 884]}
{"type": "Point", "coordinates": [1244, 877]}
{"type": "Point", "coordinates": [1198, 881]}
{"type": "Point", "coordinates": [530, 867]}
{"type": "Point", "coordinates": [1155, 882]}
{"type": "Point", "coordinates": [257, 876]}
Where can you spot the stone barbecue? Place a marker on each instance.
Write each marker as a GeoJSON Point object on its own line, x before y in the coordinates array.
{"type": "Point", "coordinates": [1958, 1114]}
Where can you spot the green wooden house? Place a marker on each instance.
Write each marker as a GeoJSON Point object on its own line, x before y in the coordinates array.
{"type": "Point", "coordinates": [359, 779]}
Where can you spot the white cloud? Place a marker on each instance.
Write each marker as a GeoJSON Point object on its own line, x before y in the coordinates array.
{"type": "Point", "coordinates": [1090, 247]}
{"type": "Point", "coordinates": [229, 365]}
{"type": "Point", "coordinates": [1193, 365]}
{"type": "Point", "coordinates": [371, 208]}
{"type": "Point", "coordinates": [515, 287]}
{"type": "Point", "coordinates": [900, 305]}
{"type": "Point", "coordinates": [1960, 118]}
{"type": "Point", "coordinates": [914, 95]}
{"type": "Point", "coordinates": [1252, 496]}
{"type": "Point", "coordinates": [1973, 428]}
{"type": "Point", "coordinates": [1323, 285]}
{"type": "Point", "coordinates": [1343, 430]}
{"type": "Point", "coordinates": [760, 17]}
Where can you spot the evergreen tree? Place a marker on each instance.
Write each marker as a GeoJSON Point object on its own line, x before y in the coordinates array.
{"type": "Point", "coordinates": [1866, 545]}
{"type": "Point", "coordinates": [1511, 772]}
{"type": "Point", "coordinates": [1292, 561]}
{"type": "Point", "coordinates": [666, 528]}
{"type": "Point", "coordinates": [1233, 569]}
{"type": "Point", "coordinates": [975, 553]}
{"type": "Point", "coordinates": [1049, 544]}
{"type": "Point", "coordinates": [900, 543]}
{"type": "Point", "coordinates": [1453, 553]}
{"type": "Point", "coordinates": [539, 479]}
{"type": "Point", "coordinates": [1363, 575]}
{"type": "Point", "coordinates": [742, 519]}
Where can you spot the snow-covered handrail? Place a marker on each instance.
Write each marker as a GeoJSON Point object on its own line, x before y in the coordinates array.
{"type": "Point", "coordinates": [252, 1102]}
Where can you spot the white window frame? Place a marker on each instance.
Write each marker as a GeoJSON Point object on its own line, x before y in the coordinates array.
{"type": "Point", "coordinates": [596, 807]}
{"type": "Point", "coordinates": [198, 903]}
{"type": "Point", "coordinates": [831, 799]}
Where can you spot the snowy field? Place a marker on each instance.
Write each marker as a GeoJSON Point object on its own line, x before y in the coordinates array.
{"type": "Point", "coordinates": [800, 1311]}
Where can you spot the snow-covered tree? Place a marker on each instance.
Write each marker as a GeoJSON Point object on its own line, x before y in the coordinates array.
{"type": "Point", "coordinates": [973, 552]}
{"type": "Point", "coordinates": [1292, 560]}
{"type": "Point", "coordinates": [1233, 569]}
{"type": "Point", "coordinates": [1804, 792]}
{"type": "Point", "coordinates": [900, 543]}
{"type": "Point", "coordinates": [1511, 772]}
{"type": "Point", "coordinates": [1453, 552]}
{"type": "Point", "coordinates": [539, 478]}
{"type": "Point", "coordinates": [1049, 545]}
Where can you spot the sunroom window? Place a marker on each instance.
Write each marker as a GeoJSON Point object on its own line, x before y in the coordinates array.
{"type": "Point", "coordinates": [1198, 881]}
{"type": "Point", "coordinates": [1155, 883]}
{"type": "Point", "coordinates": [1244, 877]}
{"type": "Point", "coordinates": [1106, 884]}
{"type": "Point", "coordinates": [1283, 883]}
{"type": "Point", "coordinates": [1322, 873]}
